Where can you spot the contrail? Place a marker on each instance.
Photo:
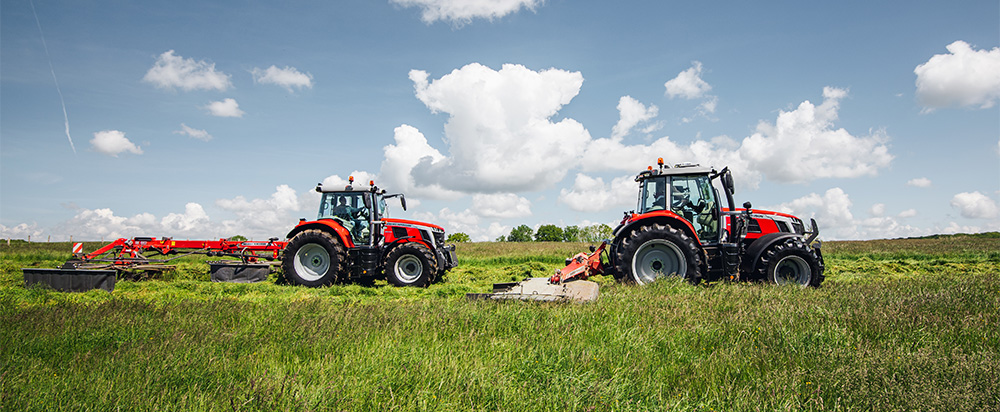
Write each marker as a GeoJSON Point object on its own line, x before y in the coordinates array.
{"type": "Point", "coordinates": [53, 70]}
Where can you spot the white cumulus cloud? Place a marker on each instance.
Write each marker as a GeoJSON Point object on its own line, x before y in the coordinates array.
{"type": "Point", "coordinates": [193, 218]}
{"type": "Point", "coordinates": [804, 145]}
{"type": "Point", "coordinates": [975, 205]}
{"type": "Point", "coordinates": [832, 211]}
{"type": "Point", "coordinates": [113, 143]}
{"type": "Point", "coordinates": [963, 77]}
{"type": "Point", "coordinates": [919, 182]}
{"type": "Point", "coordinates": [688, 84]}
{"type": "Point", "coordinates": [195, 133]}
{"type": "Point", "coordinates": [227, 107]}
{"type": "Point", "coordinates": [631, 112]}
{"type": "Point", "coordinates": [288, 77]}
{"type": "Point", "coordinates": [460, 12]}
{"type": "Point", "coordinates": [499, 130]}
{"type": "Point", "coordinates": [591, 194]}
{"type": "Point", "coordinates": [171, 71]}
{"type": "Point", "coordinates": [266, 217]}
{"type": "Point", "coordinates": [410, 149]}
{"type": "Point", "coordinates": [501, 205]}
{"type": "Point", "coordinates": [467, 222]}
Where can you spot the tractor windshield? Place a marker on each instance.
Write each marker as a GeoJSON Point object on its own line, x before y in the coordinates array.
{"type": "Point", "coordinates": [691, 197]}
{"type": "Point", "coordinates": [347, 208]}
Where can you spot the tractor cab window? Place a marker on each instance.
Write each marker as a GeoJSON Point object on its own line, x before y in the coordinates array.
{"type": "Point", "coordinates": [693, 198]}
{"type": "Point", "coordinates": [383, 210]}
{"type": "Point", "coordinates": [348, 209]}
{"type": "Point", "coordinates": [653, 196]}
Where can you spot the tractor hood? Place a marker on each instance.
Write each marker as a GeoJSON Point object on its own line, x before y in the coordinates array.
{"type": "Point", "coordinates": [413, 223]}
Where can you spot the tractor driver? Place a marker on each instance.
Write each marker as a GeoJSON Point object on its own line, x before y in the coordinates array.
{"type": "Point", "coordinates": [350, 216]}
{"type": "Point", "coordinates": [343, 210]}
{"type": "Point", "coordinates": [682, 205]}
{"type": "Point", "coordinates": [659, 197]}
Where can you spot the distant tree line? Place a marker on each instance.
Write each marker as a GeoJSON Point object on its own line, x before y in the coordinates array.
{"type": "Point", "coordinates": [547, 233]}
{"type": "Point", "coordinates": [553, 233]}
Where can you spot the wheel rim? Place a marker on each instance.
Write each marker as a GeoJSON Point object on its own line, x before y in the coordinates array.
{"type": "Point", "coordinates": [312, 261]}
{"type": "Point", "coordinates": [409, 268]}
{"type": "Point", "coordinates": [657, 258]}
{"type": "Point", "coordinates": [792, 270]}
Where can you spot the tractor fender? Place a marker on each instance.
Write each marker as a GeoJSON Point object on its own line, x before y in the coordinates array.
{"type": "Point", "coordinates": [662, 217]}
{"type": "Point", "coordinates": [761, 244]}
{"type": "Point", "coordinates": [327, 226]}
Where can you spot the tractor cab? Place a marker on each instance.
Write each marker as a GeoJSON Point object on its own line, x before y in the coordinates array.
{"type": "Point", "coordinates": [351, 210]}
{"type": "Point", "coordinates": [357, 210]}
{"type": "Point", "coordinates": [687, 191]}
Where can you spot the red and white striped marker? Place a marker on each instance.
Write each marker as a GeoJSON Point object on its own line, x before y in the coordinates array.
{"type": "Point", "coordinates": [77, 248]}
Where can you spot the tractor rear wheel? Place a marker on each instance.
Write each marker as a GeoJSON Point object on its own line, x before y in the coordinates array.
{"type": "Point", "coordinates": [313, 258]}
{"type": "Point", "coordinates": [791, 262]}
{"type": "Point", "coordinates": [410, 264]}
{"type": "Point", "coordinates": [655, 251]}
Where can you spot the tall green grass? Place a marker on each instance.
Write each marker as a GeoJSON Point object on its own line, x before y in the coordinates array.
{"type": "Point", "coordinates": [915, 336]}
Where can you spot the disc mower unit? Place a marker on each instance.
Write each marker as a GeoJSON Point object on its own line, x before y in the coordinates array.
{"type": "Point", "coordinates": [541, 289]}
{"type": "Point", "coordinates": [71, 280]}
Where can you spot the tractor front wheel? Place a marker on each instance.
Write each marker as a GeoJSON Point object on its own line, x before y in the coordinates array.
{"type": "Point", "coordinates": [791, 262]}
{"type": "Point", "coordinates": [410, 264]}
{"type": "Point", "coordinates": [655, 251]}
{"type": "Point", "coordinates": [313, 258]}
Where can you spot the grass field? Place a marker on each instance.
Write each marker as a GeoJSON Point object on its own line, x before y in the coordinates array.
{"type": "Point", "coordinates": [898, 325]}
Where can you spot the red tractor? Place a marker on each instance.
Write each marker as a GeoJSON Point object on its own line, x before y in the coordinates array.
{"type": "Point", "coordinates": [680, 228]}
{"type": "Point", "coordinates": [353, 238]}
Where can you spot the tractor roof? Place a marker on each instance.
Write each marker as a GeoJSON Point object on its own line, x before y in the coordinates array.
{"type": "Point", "coordinates": [679, 169]}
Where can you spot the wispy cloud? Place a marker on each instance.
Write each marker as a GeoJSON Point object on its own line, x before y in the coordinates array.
{"type": "Point", "coordinates": [54, 79]}
{"type": "Point", "coordinates": [171, 71]}
{"type": "Point", "coordinates": [225, 108]}
{"type": "Point", "coordinates": [113, 143]}
{"type": "Point", "coordinates": [289, 77]}
{"type": "Point", "coordinates": [195, 133]}
{"type": "Point", "coordinates": [460, 12]}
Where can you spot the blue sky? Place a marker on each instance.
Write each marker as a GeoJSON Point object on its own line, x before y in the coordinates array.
{"type": "Point", "coordinates": [210, 119]}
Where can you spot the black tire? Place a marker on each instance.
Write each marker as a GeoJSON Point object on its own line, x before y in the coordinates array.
{"type": "Point", "coordinates": [790, 261]}
{"type": "Point", "coordinates": [313, 258]}
{"type": "Point", "coordinates": [656, 250]}
{"type": "Point", "coordinates": [410, 264]}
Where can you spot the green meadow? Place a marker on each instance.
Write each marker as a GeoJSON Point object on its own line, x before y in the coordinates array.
{"type": "Point", "coordinates": [898, 325]}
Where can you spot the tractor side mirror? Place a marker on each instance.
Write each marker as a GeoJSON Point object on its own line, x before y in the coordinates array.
{"type": "Point", "coordinates": [402, 201]}
{"type": "Point", "coordinates": [727, 182]}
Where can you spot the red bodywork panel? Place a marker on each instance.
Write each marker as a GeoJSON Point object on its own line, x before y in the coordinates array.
{"type": "Point", "coordinates": [663, 213]}
{"type": "Point", "coordinates": [400, 228]}
{"type": "Point", "coordinates": [132, 249]}
{"type": "Point", "coordinates": [766, 224]}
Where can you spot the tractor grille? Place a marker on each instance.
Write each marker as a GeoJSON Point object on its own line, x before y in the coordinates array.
{"type": "Point", "coordinates": [782, 226]}
{"type": "Point", "coordinates": [439, 238]}
{"type": "Point", "coordinates": [798, 227]}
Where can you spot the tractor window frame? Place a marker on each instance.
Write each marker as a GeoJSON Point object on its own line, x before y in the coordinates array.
{"type": "Point", "coordinates": [653, 200]}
